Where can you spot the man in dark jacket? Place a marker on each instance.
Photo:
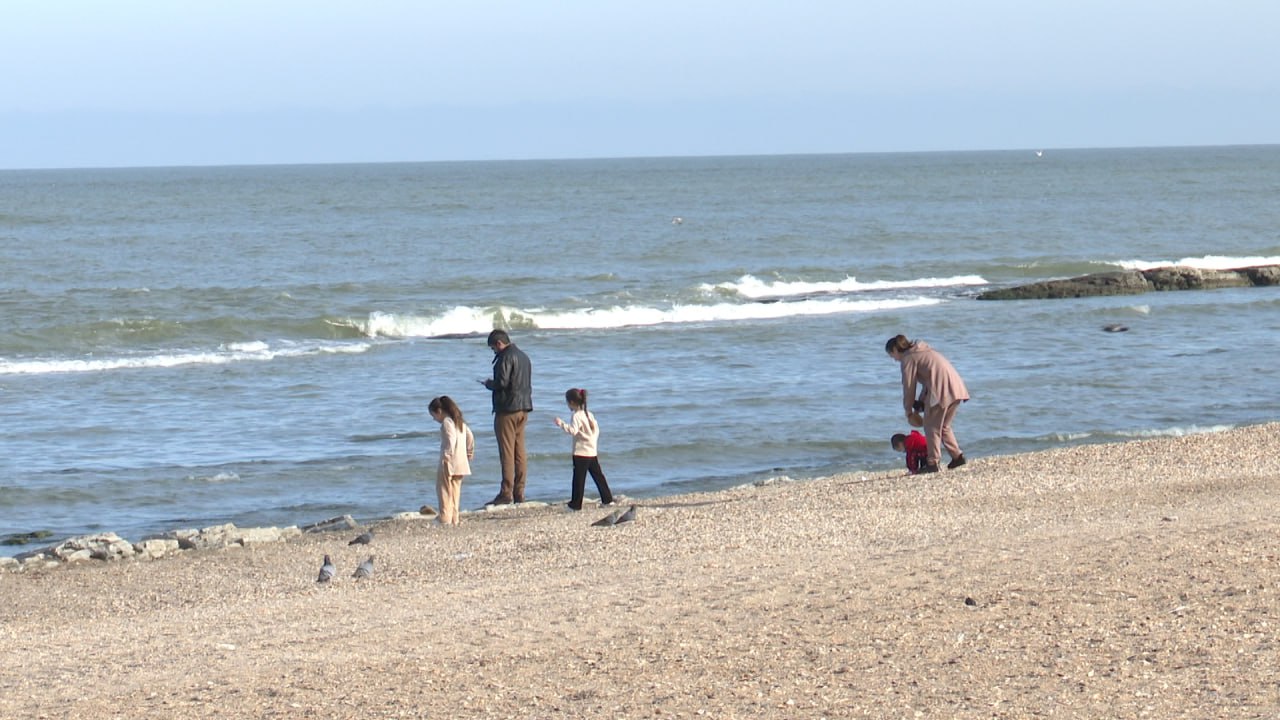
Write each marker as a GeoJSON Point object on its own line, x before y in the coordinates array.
{"type": "Point", "coordinates": [512, 388]}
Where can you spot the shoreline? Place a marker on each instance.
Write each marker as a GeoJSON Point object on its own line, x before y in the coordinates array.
{"type": "Point", "coordinates": [1135, 579]}
{"type": "Point", "coordinates": [51, 552]}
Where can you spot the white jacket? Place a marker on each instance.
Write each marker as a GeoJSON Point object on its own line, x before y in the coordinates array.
{"type": "Point", "coordinates": [585, 431]}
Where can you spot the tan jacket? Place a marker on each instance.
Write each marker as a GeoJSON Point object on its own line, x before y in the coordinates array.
{"type": "Point", "coordinates": [456, 448]}
{"type": "Point", "coordinates": [927, 367]}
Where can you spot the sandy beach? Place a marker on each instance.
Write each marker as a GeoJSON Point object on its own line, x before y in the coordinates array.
{"type": "Point", "coordinates": [1136, 580]}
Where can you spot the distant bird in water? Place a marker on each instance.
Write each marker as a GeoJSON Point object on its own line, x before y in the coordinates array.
{"type": "Point", "coordinates": [607, 520]}
{"type": "Point", "coordinates": [1115, 327]}
{"type": "Point", "coordinates": [364, 570]}
{"type": "Point", "coordinates": [627, 516]}
{"type": "Point", "coordinates": [1039, 153]}
{"type": "Point", "coordinates": [363, 538]}
{"type": "Point", "coordinates": [326, 571]}
{"type": "Point", "coordinates": [677, 220]}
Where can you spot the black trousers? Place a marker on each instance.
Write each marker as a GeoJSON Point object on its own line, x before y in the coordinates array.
{"type": "Point", "coordinates": [582, 466]}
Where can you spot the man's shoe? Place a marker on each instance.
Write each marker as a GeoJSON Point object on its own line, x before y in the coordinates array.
{"type": "Point", "coordinates": [499, 500]}
{"type": "Point", "coordinates": [927, 469]}
{"type": "Point", "coordinates": [956, 462]}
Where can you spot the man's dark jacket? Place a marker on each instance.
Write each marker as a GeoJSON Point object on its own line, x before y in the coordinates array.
{"type": "Point", "coordinates": [512, 384]}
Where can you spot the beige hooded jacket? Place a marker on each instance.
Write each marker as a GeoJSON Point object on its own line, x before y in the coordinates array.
{"type": "Point", "coordinates": [927, 367]}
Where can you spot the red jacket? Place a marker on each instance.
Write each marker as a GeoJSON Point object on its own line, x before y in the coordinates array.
{"type": "Point", "coordinates": [917, 452]}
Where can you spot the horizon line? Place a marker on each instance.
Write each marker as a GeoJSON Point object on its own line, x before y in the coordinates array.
{"type": "Point", "coordinates": [590, 158]}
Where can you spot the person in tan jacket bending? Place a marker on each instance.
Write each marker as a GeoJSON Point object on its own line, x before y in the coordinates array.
{"type": "Point", "coordinates": [941, 392]}
{"type": "Point", "coordinates": [457, 450]}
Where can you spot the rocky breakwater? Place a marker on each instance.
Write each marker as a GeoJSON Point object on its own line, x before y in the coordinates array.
{"type": "Point", "coordinates": [1135, 282]}
{"type": "Point", "coordinates": [109, 546]}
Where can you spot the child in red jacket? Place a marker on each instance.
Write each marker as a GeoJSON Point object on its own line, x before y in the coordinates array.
{"type": "Point", "coordinates": [916, 448]}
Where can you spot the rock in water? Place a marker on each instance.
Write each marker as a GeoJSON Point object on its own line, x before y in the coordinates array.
{"type": "Point", "coordinates": [326, 570]}
{"type": "Point", "coordinates": [364, 570]}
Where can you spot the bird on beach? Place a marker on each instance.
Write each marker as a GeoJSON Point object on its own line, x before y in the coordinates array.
{"type": "Point", "coordinates": [364, 570]}
{"type": "Point", "coordinates": [607, 520]}
{"type": "Point", "coordinates": [363, 538]}
{"type": "Point", "coordinates": [627, 516]}
{"type": "Point", "coordinates": [326, 571]}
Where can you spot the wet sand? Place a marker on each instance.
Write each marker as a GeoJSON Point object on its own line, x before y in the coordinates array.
{"type": "Point", "coordinates": [1105, 581]}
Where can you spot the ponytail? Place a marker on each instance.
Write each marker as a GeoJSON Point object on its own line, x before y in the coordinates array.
{"type": "Point", "coordinates": [446, 405]}
{"type": "Point", "coordinates": [578, 397]}
{"type": "Point", "coordinates": [899, 344]}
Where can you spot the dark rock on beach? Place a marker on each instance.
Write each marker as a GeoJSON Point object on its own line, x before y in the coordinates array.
{"type": "Point", "coordinates": [1136, 282]}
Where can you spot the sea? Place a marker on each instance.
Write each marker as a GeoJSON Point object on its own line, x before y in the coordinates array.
{"type": "Point", "coordinates": [191, 346]}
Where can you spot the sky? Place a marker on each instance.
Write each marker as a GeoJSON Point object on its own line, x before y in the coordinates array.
{"type": "Point", "coordinates": [121, 83]}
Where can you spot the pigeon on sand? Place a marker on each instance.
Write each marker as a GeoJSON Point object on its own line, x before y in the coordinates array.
{"type": "Point", "coordinates": [363, 538]}
{"type": "Point", "coordinates": [627, 516]}
{"type": "Point", "coordinates": [364, 570]}
{"type": "Point", "coordinates": [326, 571]}
{"type": "Point", "coordinates": [607, 520]}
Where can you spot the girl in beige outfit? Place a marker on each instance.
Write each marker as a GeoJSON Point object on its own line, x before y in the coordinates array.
{"type": "Point", "coordinates": [942, 391]}
{"type": "Point", "coordinates": [457, 449]}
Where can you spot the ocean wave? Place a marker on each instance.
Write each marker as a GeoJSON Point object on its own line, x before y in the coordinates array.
{"type": "Point", "coordinates": [216, 478]}
{"type": "Point", "coordinates": [379, 437]}
{"type": "Point", "coordinates": [1119, 435]}
{"type": "Point", "coordinates": [468, 321]}
{"type": "Point", "coordinates": [752, 288]}
{"type": "Point", "coordinates": [1065, 437]}
{"type": "Point", "coordinates": [1174, 431]}
{"type": "Point", "coordinates": [1208, 262]}
{"type": "Point", "coordinates": [230, 353]}
{"type": "Point", "coordinates": [460, 321]}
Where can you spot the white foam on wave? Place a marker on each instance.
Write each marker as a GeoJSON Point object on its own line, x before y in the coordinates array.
{"type": "Point", "coordinates": [753, 288]}
{"type": "Point", "coordinates": [1075, 437]}
{"type": "Point", "coordinates": [222, 477]}
{"type": "Point", "coordinates": [1208, 262]}
{"type": "Point", "coordinates": [1175, 431]}
{"type": "Point", "coordinates": [634, 316]}
{"type": "Point", "coordinates": [463, 321]}
{"type": "Point", "coordinates": [460, 320]}
{"type": "Point", "coordinates": [1068, 436]}
{"type": "Point", "coordinates": [231, 353]}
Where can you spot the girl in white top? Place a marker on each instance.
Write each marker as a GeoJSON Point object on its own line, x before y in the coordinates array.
{"type": "Point", "coordinates": [586, 436]}
{"type": "Point", "coordinates": [457, 448]}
